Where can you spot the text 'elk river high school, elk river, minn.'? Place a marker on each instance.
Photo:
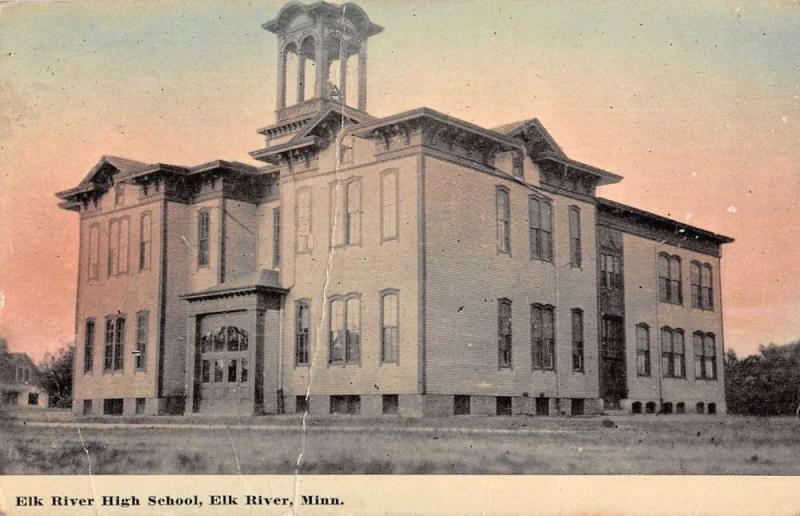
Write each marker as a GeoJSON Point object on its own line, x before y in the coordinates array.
{"type": "Point", "coordinates": [174, 501]}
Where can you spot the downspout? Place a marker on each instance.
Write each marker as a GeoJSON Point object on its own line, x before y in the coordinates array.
{"type": "Point", "coordinates": [658, 331]}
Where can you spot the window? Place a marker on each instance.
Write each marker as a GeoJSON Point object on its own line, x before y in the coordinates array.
{"type": "Point", "coordinates": [142, 319]}
{"type": "Point", "coordinates": [300, 404]}
{"type": "Point", "coordinates": [94, 251]}
{"type": "Point", "coordinates": [345, 405]}
{"type": "Point", "coordinates": [503, 405]}
{"type": "Point", "coordinates": [115, 344]}
{"type": "Point", "coordinates": [543, 336]}
{"type": "Point", "coordinates": [33, 398]}
{"type": "Point", "coordinates": [203, 233]}
{"type": "Point", "coordinates": [219, 371]}
{"type": "Point", "coordinates": [205, 371]}
{"type": "Point", "coordinates": [113, 407]}
{"type": "Point", "coordinates": [642, 350]}
{"type": "Point", "coordinates": [610, 271]}
{"type": "Point", "coordinates": [345, 329]}
{"type": "Point", "coordinates": [575, 236]}
{"type": "Point", "coordinates": [353, 213]}
{"type": "Point", "coordinates": [503, 221]}
{"type": "Point", "coordinates": [302, 332]}
{"type": "Point", "coordinates": [145, 239]}
{"type": "Point", "coordinates": [244, 370]}
{"type": "Point", "coordinates": [542, 406]}
{"type": "Point", "coordinates": [88, 347]}
{"type": "Point", "coordinates": [705, 356]}
{"type": "Point", "coordinates": [389, 204]}
{"type": "Point", "coordinates": [118, 246]}
{"type": "Point", "coordinates": [504, 332]}
{"type": "Point", "coordinates": [461, 405]}
{"type": "Point", "coordinates": [707, 294]}
{"type": "Point", "coordinates": [232, 371]}
{"type": "Point", "coordinates": [390, 327]}
{"type": "Point", "coordinates": [669, 279]}
{"type": "Point", "coordinates": [540, 219]}
{"type": "Point", "coordinates": [119, 194]}
{"type": "Point", "coordinates": [303, 218]}
{"type": "Point", "coordinates": [517, 165]}
{"type": "Point", "coordinates": [577, 339]}
{"type": "Point", "coordinates": [702, 289]}
{"type": "Point", "coordinates": [672, 353]}
{"type": "Point", "coordinates": [276, 237]}
{"type": "Point", "coordinates": [141, 403]}
{"type": "Point", "coordinates": [391, 404]}
{"type": "Point", "coordinates": [577, 406]}
{"type": "Point", "coordinates": [87, 407]}
{"type": "Point", "coordinates": [22, 374]}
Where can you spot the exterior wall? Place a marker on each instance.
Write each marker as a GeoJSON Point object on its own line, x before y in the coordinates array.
{"type": "Point", "coordinates": [240, 238]}
{"type": "Point", "coordinates": [264, 224]}
{"type": "Point", "coordinates": [366, 269]}
{"type": "Point", "coordinates": [642, 306]}
{"type": "Point", "coordinates": [466, 275]}
{"type": "Point", "coordinates": [100, 298]}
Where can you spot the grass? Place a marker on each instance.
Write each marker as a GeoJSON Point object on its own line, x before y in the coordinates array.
{"type": "Point", "coordinates": [535, 445]}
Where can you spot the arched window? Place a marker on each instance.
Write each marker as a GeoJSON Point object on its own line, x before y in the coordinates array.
{"type": "Point", "coordinates": [666, 408]}
{"type": "Point", "coordinates": [712, 409]}
{"type": "Point", "coordinates": [145, 240]}
{"type": "Point", "coordinates": [503, 220]}
{"type": "Point", "coordinates": [642, 350]}
{"type": "Point", "coordinates": [669, 279]}
{"type": "Point", "coordinates": [390, 327]}
{"type": "Point", "coordinates": [504, 332]}
{"type": "Point", "coordinates": [203, 227]}
{"type": "Point", "coordinates": [707, 295]}
{"type": "Point", "coordinates": [88, 347]}
{"type": "Point", "coordinates": [577, 339]}
{"type": "Point", "coordinates": [540, 220]}
{"type": "Point", "coordinates": [345, 330]}
{"type": "Point", "coordinates": [575, 236]}
{"type": "Point", "coordinates": [302, 332]}
{"type": "Point", "coordinates": [650, 408]}
{"type": "Point", "coordinates": [636, 408]}
{"type": "Point", "coordinates": [543, 336]}
{"type": "Point", "coordinates": [389, 205]}
{"type": "Point", "coordinates": [705, 356]}
{"type": "Point", "coordinates": [700, 408]}
{"type": "Point", "coordinates": [680, 408]}
{"type": "Point", "coordinates": [672, 353]}
{"type": "Point", "coordinates": [697, 299]}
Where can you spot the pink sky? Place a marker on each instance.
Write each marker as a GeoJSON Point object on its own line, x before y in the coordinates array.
{"type": "Point", "coordinates": [697, 105]}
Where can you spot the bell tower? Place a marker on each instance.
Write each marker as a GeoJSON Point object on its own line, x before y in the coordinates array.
{"type": "Point", "coordinates": [320, 45]}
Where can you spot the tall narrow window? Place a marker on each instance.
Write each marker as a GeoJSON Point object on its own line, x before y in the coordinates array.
{"type": "Point", "coordinates": [276, 237]}
{"type": "Point", "coordinates": [345, 330]}
{"type": "Point", "coordinates": [540, 218]}
{"type": "Point", "coordinates": [337, 331]}
{"type": "Point", "coordinates": [705, 356]}
{"type": "Point", "coordinates": [672, 353]}
{"type": "Point", "coordinates": [145, 239]}
{"type": "Point", "coordinates": [577, 340]}
{"type": "Point", "coordinates": [697, 290]}
{"type": "Point", "coordinates": [504, 333]}
{"type": "Point", "coordinates": [610, 271]}
{"type": "Point", "coordinates": [707, 294]}
{"type": "Point", "coordinates": [517, 165]}
{"type": "Point", "coordinates": [303, 220]}
{"type": "Point", "coordinates": [124, 241]}
{"type": "Point", "coordinates": [390, 328]}
{"type": "Point", "coordinates": [94, 251]}
{"type": "Point", "coordinates": [88, 347]}
{"type": "Point", "coordinates": [119, 194]}
{"type": "Point", "coordinates": [543, 336]}
{"type": "Point", "coordinates": [302, 332]}
{"type": "Point", "coordinates": [503, 221]}
{"type": "Point", "coordinates": [669, 279]}
{"type": "Point", "coordinates": [119, 344]}
{"type": "Point", "coordinates": [575, 236]}
{"type": "Point", "coordinates": [108, 350]}
{"type": "Point", "coordinates": [203, 234]}
{"type": "Point", "coordinates": [353, 351]}
{"type": "Point", "coordinates": [642, 350]}
{"type": "Point", "coordinates": [142, 320]}
{"type": "Point", "coordinates": [389, 202]}
{"type": "Point", "coordinates": [113, 247]}
{"type": "Point", "coordinates": [353, 213]}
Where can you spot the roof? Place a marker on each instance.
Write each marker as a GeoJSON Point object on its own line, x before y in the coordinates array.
{"type": "Point", "coordinates": [262, 280]}
{"type": "Point", "coordinates": [515, 128]}
{"type": "Point", "coordinates": [348, 10]}
{"type": "Point", "coordinates": [619, 208]}
{"type": "Point", "coordinates": [504, 141]}
{"type": "Point", "coordinates": [604, 177]}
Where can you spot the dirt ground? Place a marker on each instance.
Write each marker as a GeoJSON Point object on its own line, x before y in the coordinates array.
{"type": "Point", "coordinates": [53, 442]}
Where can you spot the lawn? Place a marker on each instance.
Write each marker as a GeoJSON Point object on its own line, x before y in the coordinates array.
{"type": "Point", "coordinates": [678, 444]}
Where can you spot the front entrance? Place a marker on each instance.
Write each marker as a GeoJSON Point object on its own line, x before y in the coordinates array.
{"type": "Point", "coordinates": [613, 379]}
{"type": "Point", "coordinates": [224, 377]}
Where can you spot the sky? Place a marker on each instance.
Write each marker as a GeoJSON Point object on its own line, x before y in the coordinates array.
{"type": "Point", "coordinates": [696, 104]}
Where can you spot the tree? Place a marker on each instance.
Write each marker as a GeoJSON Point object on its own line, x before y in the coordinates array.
{"type": "Point", "coordinates": [55, 376]}
{"type": "Point", "coordinates": [765, 384]}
